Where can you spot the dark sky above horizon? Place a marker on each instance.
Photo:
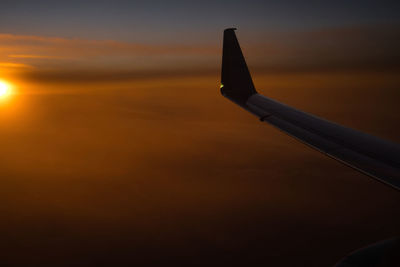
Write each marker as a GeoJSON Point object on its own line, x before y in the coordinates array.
{"type": "Point", "coordinates": [118, 149]}
{"type": "Point", "coordinates": [154, 21]}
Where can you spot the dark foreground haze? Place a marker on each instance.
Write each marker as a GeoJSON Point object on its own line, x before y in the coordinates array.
{"type": "Point", "coordinates": [171, 171]}
{"type": "Point", "coordinates": [117, 151]}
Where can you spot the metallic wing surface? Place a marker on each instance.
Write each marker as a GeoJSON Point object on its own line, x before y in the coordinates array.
{"type": "Point", "coordinates": [372, 156]}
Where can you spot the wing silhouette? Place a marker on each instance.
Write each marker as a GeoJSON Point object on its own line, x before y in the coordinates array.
{"type": "Point", "coordinates": [372, 156]}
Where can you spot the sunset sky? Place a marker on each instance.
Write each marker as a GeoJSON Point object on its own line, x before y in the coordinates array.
{"type": "Point", "coordinates": [117, 147]}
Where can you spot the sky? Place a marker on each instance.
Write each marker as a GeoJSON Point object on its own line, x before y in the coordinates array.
{"type": "Point", "coordinates": [117, 147]}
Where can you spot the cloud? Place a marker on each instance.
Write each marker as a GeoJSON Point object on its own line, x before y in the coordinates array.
{"type": "Point", "coordinates": [90, 76]}
{"type": "Point", "coordinates": [84, 57]}
{"type": "Point", "coordinates": [51, 46]}
{"type": "Point", "coordinates": [50, 59]}
{"type": "Point", "coordinates": [13, 65]}
{"type": "Point", "coordinates": [34, 56]}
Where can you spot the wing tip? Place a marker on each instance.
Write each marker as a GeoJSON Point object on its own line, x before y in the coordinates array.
{"type": "Point", "coordinates": [230, 29]}
{"type": "Point", "coordinates": [236, 81]}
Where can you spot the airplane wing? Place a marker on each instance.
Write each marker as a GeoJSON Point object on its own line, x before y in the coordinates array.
{"type": "Point", "coordinates": [370, 155]}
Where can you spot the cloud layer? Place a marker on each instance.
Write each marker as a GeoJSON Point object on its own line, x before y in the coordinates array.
{"type": "Point", "coordinates": [42, 59]}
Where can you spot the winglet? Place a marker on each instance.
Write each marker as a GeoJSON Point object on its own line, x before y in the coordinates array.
{"type": "Point", "coordinates": [236, 82]}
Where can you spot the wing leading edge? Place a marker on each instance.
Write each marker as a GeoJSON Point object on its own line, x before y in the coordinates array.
{"type": "Point", "coordinates": [375, 157]}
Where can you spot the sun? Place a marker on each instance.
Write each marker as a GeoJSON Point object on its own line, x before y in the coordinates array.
{"type": "Point", "coordinates": [5, 89]}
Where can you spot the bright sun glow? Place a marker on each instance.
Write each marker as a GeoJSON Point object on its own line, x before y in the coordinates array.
{"type": "Point", "coordinates": [5, 89]}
